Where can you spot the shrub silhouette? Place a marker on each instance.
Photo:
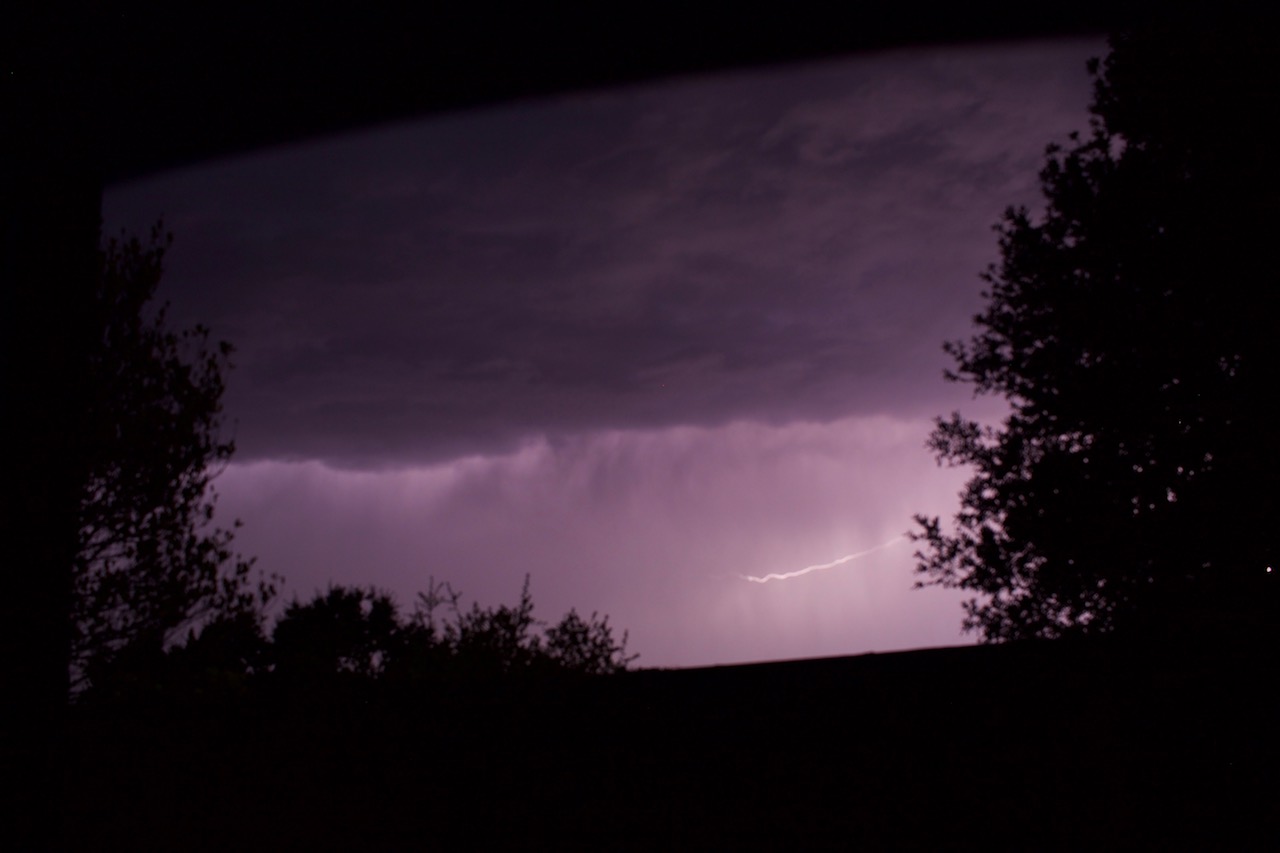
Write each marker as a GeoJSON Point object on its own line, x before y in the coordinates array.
{"type": "Point", "coordinates": [353, 632]}
{"type": "Point", "coordinates": [344, 630]}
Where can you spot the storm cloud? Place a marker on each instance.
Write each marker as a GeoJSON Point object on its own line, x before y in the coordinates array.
{"type": "Point", "coordinates": [789, 243]}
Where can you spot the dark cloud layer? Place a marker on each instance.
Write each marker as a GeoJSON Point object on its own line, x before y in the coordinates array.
{"type": "Point", "coordinates": [786, 244]}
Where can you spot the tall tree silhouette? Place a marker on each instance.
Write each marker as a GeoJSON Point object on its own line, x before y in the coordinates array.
{"type": "Point", "coordinates": [1131, 327]}
{"type": "Point", "coordinates": [150, 563]}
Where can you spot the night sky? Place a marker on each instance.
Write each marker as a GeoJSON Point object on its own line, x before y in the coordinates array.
{"type": "Point", "coordinates": [638, 344]}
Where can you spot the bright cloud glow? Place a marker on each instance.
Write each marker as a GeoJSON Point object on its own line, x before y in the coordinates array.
{"type": "Point", "coordinates": [651, 527]}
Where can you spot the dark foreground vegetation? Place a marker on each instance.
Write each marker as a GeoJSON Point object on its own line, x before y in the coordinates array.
{"type": "Point", "coordinates": [1072, 745]}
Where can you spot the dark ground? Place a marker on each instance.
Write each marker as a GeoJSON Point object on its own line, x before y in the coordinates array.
{"type": "Point", "coordinates": [1088, 746]}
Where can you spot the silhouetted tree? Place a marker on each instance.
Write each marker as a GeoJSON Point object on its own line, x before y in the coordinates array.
{"type": "Point", "coordinates": [498, 639]}
{"type": "Point", "coordinates": [510, 640]}
{"type": "Point", "coordinates": [1131, 328]}
{"type": "Point", "coordinates": [348, 631]}
{"type": "Point", "coordinates": [150, 564]}
{"type": "Point", "coordinates": [586, 646]}
{"type": "Point", "coordinates": [344, 630]}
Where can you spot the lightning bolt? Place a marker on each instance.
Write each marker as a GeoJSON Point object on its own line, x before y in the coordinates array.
{"type": "Point", "coordinates": [782, 576]}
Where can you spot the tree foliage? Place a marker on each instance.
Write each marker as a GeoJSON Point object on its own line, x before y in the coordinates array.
{"type": "Point", "coordinates": [357, 632]}
{"type": "Point", "coordinates": [343, 630]}
{"type": "Point", "coordinates": [1131, 328]}
{"type": "Point", "coordinates": [150, 564]}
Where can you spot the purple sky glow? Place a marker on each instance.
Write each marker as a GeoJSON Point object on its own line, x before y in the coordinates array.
{"type": "Point", "coordinates": [634, 343]}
